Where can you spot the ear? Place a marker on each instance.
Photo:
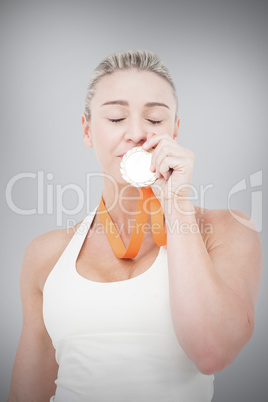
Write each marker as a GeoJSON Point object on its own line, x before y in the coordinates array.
{"type": "Point", "coordinates": [176, 128]}
{"type": "Point", "coordinates": [87, 137]}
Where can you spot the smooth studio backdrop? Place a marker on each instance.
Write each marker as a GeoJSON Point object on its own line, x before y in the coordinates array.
{"type": "Point", "coordinates": [216, 52]}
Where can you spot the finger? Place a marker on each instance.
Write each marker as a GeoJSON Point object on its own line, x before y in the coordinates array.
{"type": "Point", "coordinates": [163, 169]}
{"type": "Point", "coordinates": [164, 148]}
{"type": "Point", "coordinates": [154, 140]}
{"type": "Point", "coordinates": [173, 163]}
{"type": "Point", "coordinates": [150, 135]}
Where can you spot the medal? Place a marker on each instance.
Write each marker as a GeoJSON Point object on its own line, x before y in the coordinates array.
{"type": "Point", "coordinates": [135, 167]}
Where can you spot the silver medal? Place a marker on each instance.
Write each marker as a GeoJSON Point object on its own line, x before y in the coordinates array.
{"type": "Point", "coordinates": [135, 167]}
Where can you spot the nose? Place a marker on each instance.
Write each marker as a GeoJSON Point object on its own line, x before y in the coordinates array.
{"type": "Point", "coordinates": [135, 133]}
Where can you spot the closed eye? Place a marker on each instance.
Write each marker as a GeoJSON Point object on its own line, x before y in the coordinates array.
{"type": "Point", "coordinates": [155, 121]}
{"type": "Point", "coordinates": [151, 121]}
{"type": "Point", "coordinates": [116, 120]}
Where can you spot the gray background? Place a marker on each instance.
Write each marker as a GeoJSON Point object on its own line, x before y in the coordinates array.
{"type": "Point", "coordinates": [216, 52]}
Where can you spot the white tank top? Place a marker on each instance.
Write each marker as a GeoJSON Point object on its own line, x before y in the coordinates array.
{"type": "Point", "coordinates": [115, 341]}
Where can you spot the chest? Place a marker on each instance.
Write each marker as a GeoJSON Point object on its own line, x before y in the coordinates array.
{"type": "Point", "coordinates": [98, 263]}
{"type": "Point", "coordinates": [74, 305]}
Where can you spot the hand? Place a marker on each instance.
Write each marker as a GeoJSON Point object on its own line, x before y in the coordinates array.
{"type": "Point", "coordinates": [173, 165]}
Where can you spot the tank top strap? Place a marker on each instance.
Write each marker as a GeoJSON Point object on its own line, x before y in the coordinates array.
{"type": "Point", "coordinates": [73, 248]}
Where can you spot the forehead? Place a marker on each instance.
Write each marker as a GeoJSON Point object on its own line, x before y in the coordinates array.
{"type": "Point", "coordinates": [133, 83]}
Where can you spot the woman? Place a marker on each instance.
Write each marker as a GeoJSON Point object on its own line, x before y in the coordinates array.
{"type": "Point", "coordinates": [154, 327]}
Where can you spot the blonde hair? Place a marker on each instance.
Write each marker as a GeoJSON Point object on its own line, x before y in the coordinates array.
{"type": "Point", "coordinates": [140, 59]}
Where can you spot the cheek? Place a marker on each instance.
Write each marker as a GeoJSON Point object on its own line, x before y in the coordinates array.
{"type": "Point", "coordinates": [106, 134]}
{"type": "Point", "coordinates": [169, 128]}
{"type": "Point", "coordinates": [99, 134]}
{"type": "Point", "coordinates": [104, 143]}
{"type": "Point", "coordinates": [173, 127]}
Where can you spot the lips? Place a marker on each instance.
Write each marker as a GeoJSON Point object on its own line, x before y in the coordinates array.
{"type": "Point", "coordinates": [121, 156]}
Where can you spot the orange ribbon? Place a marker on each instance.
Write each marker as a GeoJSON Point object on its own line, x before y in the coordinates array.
{"type": "Point", "coordinates": [157, 220]}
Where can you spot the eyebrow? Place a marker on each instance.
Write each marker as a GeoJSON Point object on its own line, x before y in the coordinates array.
{"type": "Point", "coordinates": [125, 103]}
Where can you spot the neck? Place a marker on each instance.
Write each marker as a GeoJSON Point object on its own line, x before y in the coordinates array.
{"type": "Point", "coordinates": [121, 202]}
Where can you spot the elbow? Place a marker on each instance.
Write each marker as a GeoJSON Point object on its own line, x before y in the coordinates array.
{"type": "Point", "coordinates": [210, 365]}
{"type": "Point", "coordinates": [217, 357]}
{"type": "Point", "coordinates": [219, 360]}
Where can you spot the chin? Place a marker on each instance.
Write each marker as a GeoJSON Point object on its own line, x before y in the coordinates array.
{"type": "Point", "coordinates": [114, 178]}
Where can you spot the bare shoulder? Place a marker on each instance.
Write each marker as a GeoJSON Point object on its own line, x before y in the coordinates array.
{"type": "Point", "coordinates": [234, 247]}
{"type": "Point", "coordinates": [42, 253]}
{"type": "Point", "coordinates": [224, 225]}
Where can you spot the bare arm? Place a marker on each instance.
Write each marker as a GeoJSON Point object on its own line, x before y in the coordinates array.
{"type": "Point", "coordinates": [213, 287]}
{"type": "Point", "coordinates": [35, 367]}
